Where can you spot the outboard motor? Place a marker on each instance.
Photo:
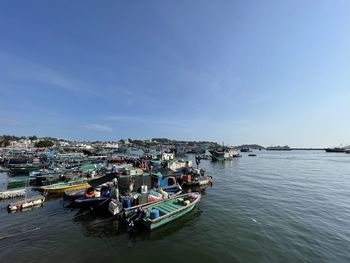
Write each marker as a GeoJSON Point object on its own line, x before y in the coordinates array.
{"type": "Point", "coordinates": [134, 217]}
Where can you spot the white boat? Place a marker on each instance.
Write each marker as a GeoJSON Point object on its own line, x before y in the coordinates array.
{"type": "Point", "coordinates": [26, 203]}
{"type": "Point", "coordinates": [224, 154]}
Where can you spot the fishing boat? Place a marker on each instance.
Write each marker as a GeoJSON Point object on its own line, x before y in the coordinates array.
{"type": "Point", "coordinates": [347, 150]}
{"type": "Point", "coordinates": [92, 203]}
{"type": "Point", "coordinates": [95, 183]}
{"type": "Point", "coordinates": [224, 154]}
{"type": "Point", "coordinates": [130, 204]}
{"type": "Point", "coordinates": [60, 188]}
{"type": "Point", "coordinates": [94, 198]}
{"type": "Point", "coordinates": [195, 177]}
{"type": "Point", "coordinates": [190, 180]}
{"type": "Point", "coordinates": [161, 213]}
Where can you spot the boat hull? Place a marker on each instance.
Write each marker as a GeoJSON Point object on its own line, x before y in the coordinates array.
{"type": "Point", "coordinates": [224, 155]}
{"type": "Point", "coordinates": [152, 226]}
{"type": "Point", "coordinates": [61, 190]}
{"type": "Point", "coordinates": [24, 169]}
{"type": "Point", "coordinates": [170, 210]}
{"type": "Point", "coordinates": [92, 203]}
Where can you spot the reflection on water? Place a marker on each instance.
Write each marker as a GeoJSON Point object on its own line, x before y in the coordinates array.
{"type": "Point", "coordinates": [93, 225]}
{"type": "Point", "coordinates": [168, 230]}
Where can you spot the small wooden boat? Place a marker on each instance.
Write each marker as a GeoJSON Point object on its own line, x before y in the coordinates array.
{"type": "Point", "coordinates": [60, 188]}
{"type": "Point", "coordinates": [252, 154]}
{"type": "Point", "coordinates": [26, 203]}
{"type": "Point", "coordinates": [142, 200]}
{"type": "Point", "coordinates": [166, 211]}
{"type": "Point", "coordinates": [95, 199]}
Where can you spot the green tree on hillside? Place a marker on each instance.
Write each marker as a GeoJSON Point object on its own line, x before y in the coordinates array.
{"type": "Point", "coordinates": [44, 144]}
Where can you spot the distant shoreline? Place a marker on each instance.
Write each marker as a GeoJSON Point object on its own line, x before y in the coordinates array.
{"type": "Point", "coordinates": [309, 149]}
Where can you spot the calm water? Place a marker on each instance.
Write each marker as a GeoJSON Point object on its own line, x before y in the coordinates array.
{"type": "Point", "coordinates": [276, 207]}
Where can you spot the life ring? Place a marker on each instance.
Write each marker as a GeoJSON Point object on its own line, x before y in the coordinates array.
{"type": "Point", "coordinates": [90, 193]}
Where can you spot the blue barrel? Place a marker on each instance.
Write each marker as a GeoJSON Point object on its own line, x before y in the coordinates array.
{"type": "Point", "coordinates": [154, 214]}
{"type": "Point", "coordinates": [127, 203]}
{"type": "Point", "coordinates": [106, 193]}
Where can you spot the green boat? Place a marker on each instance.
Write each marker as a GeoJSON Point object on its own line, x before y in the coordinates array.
{"type": "Point", "coordinates": [24, 169]}
{"type": "Point", "coordinates": [17, 183]}
{"type": "Point", "coordinates": [166, 211]}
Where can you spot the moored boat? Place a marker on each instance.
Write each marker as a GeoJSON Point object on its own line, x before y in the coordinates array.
{"type": "Point", "coordinates": [245, 149]}
{"type": "Point", "coordinates": [60, 188]}
{"type": "Point", "coordinates": [94, 198]}
{"type": "Point", "coordinates": [224, 154]}
{"type": "Point", "coordinates": [195, 177]}
{"type": "Point", "coordinates": [25, 169]}
{"type": "Point", "coordinates": [26, 203]}
{"type": "Point", "coordinates": [92, 203]}
{"type": "Point", "coordinates": [189, 180]}
{"type": "Point", "coordinates": [161, 213]}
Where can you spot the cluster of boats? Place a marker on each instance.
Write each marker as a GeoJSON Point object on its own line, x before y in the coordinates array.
{"type": "Point", "coordinates": [137, 191]}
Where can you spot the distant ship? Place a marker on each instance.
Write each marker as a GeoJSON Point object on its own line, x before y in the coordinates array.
{"type": "Point", "coordinates": [335, 150]}
{"type": "Point", "coordinates": [279, 148]}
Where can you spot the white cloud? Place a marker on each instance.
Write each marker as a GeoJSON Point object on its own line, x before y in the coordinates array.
{"type": "Point", "coordinates": [97, 127]}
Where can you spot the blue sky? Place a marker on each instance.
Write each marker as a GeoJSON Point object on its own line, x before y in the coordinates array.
{"type": "Point", "coordinates": [266, 72]}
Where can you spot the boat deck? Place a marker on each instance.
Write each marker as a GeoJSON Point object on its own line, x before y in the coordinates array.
{"type": "Point", "coordinates": [168, 207]}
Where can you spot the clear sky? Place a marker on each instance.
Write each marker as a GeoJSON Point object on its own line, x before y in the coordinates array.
{"type": "Point", "coordinates": [266, 72]}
